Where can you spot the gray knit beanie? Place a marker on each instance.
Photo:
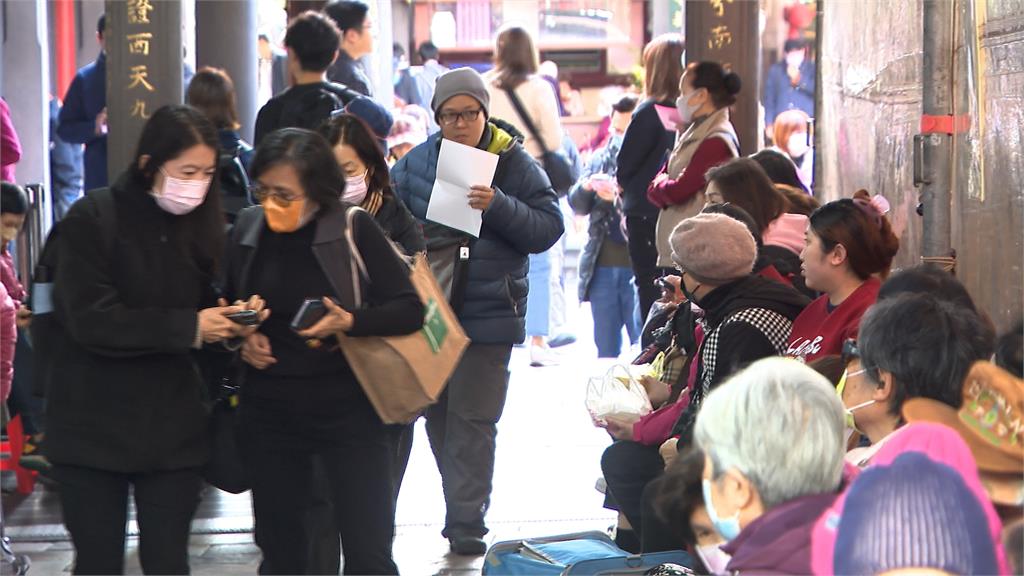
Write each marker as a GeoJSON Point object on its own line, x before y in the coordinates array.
{"type": "Point", "coordinates": [713, 248]}
{"type": "Point", "coordinates": [460, 81]}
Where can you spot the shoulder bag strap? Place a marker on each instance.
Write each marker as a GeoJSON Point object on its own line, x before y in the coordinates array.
{"type": "Point", "coordinates": [521, 111]}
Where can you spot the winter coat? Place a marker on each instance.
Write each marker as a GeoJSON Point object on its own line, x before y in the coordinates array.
{"type": "Point", "coordinates": [8, 341]}
{"type": "Point", "coordinates": [744, 321]}
{"type": "Point", "coordinates": [85, 99]}
{"type": "Point", "coordinates": [540, 103]}
{"type": "Point", "coordinates": [644, 150]}
{"type": "Point", "coordinates": [523, 219]}
{"type": "Point", "coordinates": [10, 145]}
{"type": "Point", "coordinates": [400, 226]}
{"type": "Point", "coordinates": [779, 541]}
{"type": "Point", "coordinates": [126, 394]}
{"type": "Point", "coordinates": [780, 95]}
{"type": "Point", "coordinates": [605, 217]}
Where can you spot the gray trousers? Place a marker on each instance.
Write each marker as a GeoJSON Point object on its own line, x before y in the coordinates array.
{"type": "Point", "coordinates": [462, 427]}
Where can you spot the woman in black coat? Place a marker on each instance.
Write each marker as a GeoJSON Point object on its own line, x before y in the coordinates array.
{"type": "Point", "coordinates": [368, 182]}
{"type": "Point", "coordinates": [301, 400]}
{"type": "Point", "coordinates": [134, 301]}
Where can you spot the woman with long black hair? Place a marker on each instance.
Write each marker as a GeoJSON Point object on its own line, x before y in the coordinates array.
{"type": "Point", "coordinates": [134, 298]}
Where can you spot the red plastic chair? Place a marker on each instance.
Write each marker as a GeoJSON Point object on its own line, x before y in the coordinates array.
{"type": "Point", "coordinates": [10, 452]}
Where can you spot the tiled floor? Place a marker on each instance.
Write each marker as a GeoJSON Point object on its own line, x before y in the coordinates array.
{"type": "Point", "coordinates": [548, 460]}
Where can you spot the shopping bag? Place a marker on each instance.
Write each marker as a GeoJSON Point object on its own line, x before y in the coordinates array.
{"type": "Point", "coordinates": [402, 375]}
{"type": "Point", "coordinates": [618, 393]}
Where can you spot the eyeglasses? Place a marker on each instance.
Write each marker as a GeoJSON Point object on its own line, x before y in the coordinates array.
{"type": "Point", "coordinates": [850, 351]}
{"type": "Point", "coordinates": [282, 196]}
{"type": "Point", "coordinates": [449, 118]}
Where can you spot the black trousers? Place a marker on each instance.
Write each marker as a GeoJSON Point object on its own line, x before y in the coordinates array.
{"type": "Point", "coordinates": [281, 437]}
{"type": "Point", "coordinates": [22, 401]}
{"type": "Point", "coordinates": [643, 252]}
{"type": "Point", "coordinates": [630, 469]}
{"type": "Point", "coordinates": [95, 505]}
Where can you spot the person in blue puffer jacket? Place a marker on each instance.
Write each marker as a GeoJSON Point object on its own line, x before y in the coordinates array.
{"type": "Point", "coordinates": [488, 289]}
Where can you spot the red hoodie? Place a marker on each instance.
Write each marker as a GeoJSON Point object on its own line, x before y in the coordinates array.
{"type": "Point", "coordinates": [818, 332]}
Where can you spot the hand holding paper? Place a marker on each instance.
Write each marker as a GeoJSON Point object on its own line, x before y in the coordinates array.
{"type": "Point", "coordinates": [462, 186]}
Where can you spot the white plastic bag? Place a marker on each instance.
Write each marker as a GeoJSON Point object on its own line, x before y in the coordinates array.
{"type": "Point", "coordinates": [618, 393]}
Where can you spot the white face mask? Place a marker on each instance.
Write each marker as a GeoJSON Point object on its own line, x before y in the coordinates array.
{"type": "Point", "coordinates": [686, 111]}
{"type": "Point", "coordinates": [797, 144]}
{"type": "Point", "coordinates": [795, 59]}
{"type": "Point", "coordinates": [355, 188]}
{"type": "Point", "coordinates": [714, 559]}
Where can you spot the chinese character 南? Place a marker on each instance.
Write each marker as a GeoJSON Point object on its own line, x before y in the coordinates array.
{"type": "Point", "coordinates": [139, 43]}
{"type": "Point", "coordinates": [138, 76]}
{"type": "Point", "coordinates": [139, 110]}
{"type": "Point", "coordinates": [138, 11]}
{"type": "Point", "coordinates": [720, 36]}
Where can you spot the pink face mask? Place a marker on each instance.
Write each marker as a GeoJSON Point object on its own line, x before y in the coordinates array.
{"type": "Point", "coordinates": [179, 197]}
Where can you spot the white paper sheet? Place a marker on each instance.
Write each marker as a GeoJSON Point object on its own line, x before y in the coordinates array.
{"type": "Point", "coordinates": [459, 167]}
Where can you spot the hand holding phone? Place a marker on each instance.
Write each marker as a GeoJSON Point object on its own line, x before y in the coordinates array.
{"type": "Point", "coordinates": [315, 323]}
{"type": "Point", "coordinates": [311, 312]}
{"type": "Point", "coordinates": [245, 317]}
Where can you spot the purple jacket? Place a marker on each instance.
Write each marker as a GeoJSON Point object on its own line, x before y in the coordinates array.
{"type": "Point", "coordinates": [779, 542]}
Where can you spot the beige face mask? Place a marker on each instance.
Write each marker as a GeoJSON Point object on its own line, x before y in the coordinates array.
{"type": "Point", "coordinates": [9, 233]}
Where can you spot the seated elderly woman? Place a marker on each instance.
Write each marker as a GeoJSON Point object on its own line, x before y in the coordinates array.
{"type": "Point", "coordinates": [772, 436]}
{"type": "Point", "coordinates": [909, 346]}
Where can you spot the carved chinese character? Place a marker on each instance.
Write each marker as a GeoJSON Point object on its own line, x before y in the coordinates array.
{"type": "Point", "coordinates": [139, 43]}
{"type": "Point", "coordinates": [138, 77]}
{"type": "Point", "coordinates": [719, 6]}
{"type": "Point", "coordinates": [138, 11]}
{"type": "Point", "coordinates": [139, 110]}
{"type": "Point", "coordinates": [720, 36]}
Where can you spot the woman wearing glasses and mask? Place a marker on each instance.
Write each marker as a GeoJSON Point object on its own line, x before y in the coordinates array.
{"type": "Point", "coordinates": [301, 398]}
{"type": "Point", "coordinates": [520, 216]}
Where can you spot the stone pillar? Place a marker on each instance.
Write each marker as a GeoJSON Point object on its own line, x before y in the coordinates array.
{"type": "Point", "coordinates": [144, 70]}
{"type": "Point", "coordinates": [226, 38]}
{"type": "Point", "coordinates": [728, 32]}
{"type": "Point", "coordinates": [26, 86]}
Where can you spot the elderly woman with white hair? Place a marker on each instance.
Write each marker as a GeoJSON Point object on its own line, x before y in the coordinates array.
{"type": "Point", "coordinates": [772, 436]}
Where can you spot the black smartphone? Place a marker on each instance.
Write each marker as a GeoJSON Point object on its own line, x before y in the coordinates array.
{"type": "Point", "coordinates": [311, 311]}
{"type": "Point", "coordinates": [245, 317]}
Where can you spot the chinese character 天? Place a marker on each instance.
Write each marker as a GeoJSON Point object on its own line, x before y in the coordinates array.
{"type": "Point", "coordinates": [138, 77]}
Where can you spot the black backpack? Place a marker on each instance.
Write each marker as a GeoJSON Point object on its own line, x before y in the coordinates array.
{"type": "Point", "coordinates": [314, 107]}
{"type": "Point", "coordinates": [48, 335]}
{"type": "Point", "coordinates": [234, 183]}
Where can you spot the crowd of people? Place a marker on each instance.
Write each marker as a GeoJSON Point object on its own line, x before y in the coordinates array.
{"type": "Point", "coordinates": [810, 400]}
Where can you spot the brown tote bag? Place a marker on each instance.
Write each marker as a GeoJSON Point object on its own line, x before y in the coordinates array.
{"type": "Point", "coordinates": [402, 375]}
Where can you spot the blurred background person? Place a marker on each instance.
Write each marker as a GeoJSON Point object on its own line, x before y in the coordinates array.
{"type": "Point", "coordinates": [647, 142]}
{"type": "Point", "coordinates": [789, 85]}
{"type": "Point", "coordinates": [606, 274]}
{"type": "Point", "coordinates": [356, 40]}
{"type": "Point", "coordinates": [408, 131]}
{"type": "Point", "coordinates": [273, 70]}
{"type": "Point", "coordinates": [792, 137]}
{"type": "Point", "coordinates": [83, 117]}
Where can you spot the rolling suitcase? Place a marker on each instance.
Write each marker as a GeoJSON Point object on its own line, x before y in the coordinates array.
{"type": "Point", "coordinates": [579, 554]}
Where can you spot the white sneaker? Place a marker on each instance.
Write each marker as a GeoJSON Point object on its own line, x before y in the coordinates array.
{"type": "Point", "coordinates": [543, 356]}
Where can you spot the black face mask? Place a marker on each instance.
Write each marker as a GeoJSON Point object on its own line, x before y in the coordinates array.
{"type": "Point", "coordinates": [686, 292]}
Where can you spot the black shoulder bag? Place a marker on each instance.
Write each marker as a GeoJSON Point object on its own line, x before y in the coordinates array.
{"type": "Point", "coordinates": [557, 166]}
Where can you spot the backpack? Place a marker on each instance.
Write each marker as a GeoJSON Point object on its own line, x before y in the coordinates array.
{"type": "Point", "coordinates": [48, 336]}
{"type": "Point", "coordinates": [234, 183]}
{"type": "Point", "coordinates": [314, 107]}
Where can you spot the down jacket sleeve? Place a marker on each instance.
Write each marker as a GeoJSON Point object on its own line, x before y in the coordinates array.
{"type": "Point", "coordinates": [8, 340]}
{"type": "Point", "coordinates": [525, 211]}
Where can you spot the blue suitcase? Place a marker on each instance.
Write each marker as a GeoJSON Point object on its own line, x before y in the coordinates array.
{"type": "Point", "coordinates": [579, 554]}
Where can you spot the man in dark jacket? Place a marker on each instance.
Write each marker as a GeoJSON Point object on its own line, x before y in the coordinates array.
{"type": "Point", "coordinates": [606, 276]}
{"type": "Point", "coordinates": [746, 318]}
{"type": "Point", "coordinates": [355, 41]}
{"type": "Point", "coordinates": [488, 287]}
{"type": "Point", "coordinates": [312, 44]}
{"type": "Point", "coordinates": [83, 118]}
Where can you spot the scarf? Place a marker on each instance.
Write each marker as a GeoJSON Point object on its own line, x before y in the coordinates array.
{"type": "Point", "coordinates": [373, 201]}
{"type": "Point", "coordinates": [688, 142]}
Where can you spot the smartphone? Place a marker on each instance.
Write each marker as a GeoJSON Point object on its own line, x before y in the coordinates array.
{"type": "Point", "coordinates": [311, 311]}
{"type": "Point", "coordinates": [245, 317]}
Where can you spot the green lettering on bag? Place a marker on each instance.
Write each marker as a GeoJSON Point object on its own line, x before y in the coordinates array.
{"type": "Point", "coordinates": [434, 328]}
